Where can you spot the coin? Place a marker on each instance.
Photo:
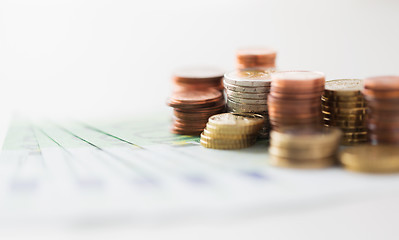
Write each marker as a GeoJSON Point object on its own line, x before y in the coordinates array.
{"type": "Point", "coordinates": [227, 135]}
{"type": "Point", "coordinates": [241, 107]}
{"type": "Point", "coordinates": [198, 73]}
{"type": "Point", "coordinates": [302, 153]}
{"type": "Point", "coordinates": [342, 98]}
{"type": "Point", "coordinates": [289, 163]}
{"type": "Point", "coordinates": [255, 58]}
{"type": "Point", "coordinates": [372, 159]}
{"type": "Point", "coordinates": [246, 89]}
{"type": "Point", "coordinates": [234, 94]}
{"type": "Point", "coordinates": [248, 101]}
{"type": "Point", "coordinates": [300, 79]}
{"type": "Point", "coordinates": [333, 110]}
{"type": "Point", "coordinates": [213, 145]}
{"type": "Point", "coordinates": [344, 87]}
{"type": "Point", "coordinates": [382, 83]}
{"type": "Point", "coordinates": [309, 135]}
{"type": "Point", "coordinates": [344, 124]}
{"type": "Point", "coordinates": [381, 94]}
{"type": "Point", "coordinates": [237, 120]}
{"type": "Point", "coordinates": [359, 104]}
{"type": "Point", "coordinates": [248, 78]}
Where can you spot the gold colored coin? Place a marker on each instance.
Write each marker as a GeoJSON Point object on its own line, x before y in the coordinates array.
{"type": "Point", "coordinates": [371, 158]}
{"type": "Point", "coordinates": [358, 104]}
{"type": "Point", "coordinates": [306, 135]}
{"type": "Point", "coordinates": [343, 117]}
{"type": "Point", "coordinates": [289, 163]}
{"type": "Point", "coordinates": [232, 130]}
{"type": "Point", "coordinates": [344, 87]}
{"type": "Point", "coordinates": [221, 136]}
{"type": "Point", "coordinates": [312, 152]}
{"type": "Point", "coordinates": [217, 145]}
{"type": "Point", "coordinates": [360, 110]}
{"type": "Point", "coordinates": [342, 98]}
{"type": "Point", "coordinates": [343, 124]}
{"type": "Point", "coordinates": [236, 122]}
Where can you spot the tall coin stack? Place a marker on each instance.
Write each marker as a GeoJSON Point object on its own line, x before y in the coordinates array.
{"type": "Point", "coordinates": [256, 58]}
{"type": "Point", "coordinates": [305, 147]}
{"type": "Point", "coordinates": [231, 130]}
{"type": "Point", "coordinates": [247, 92]}
{"type": "Point", "coordinates": [382, 96]}
{"type": "Point", "coordinates": [193, 108]}
{"type": "Point", "coordinates": [295, 99]}
{"type": "Point", "coordinates": [344, 106]}
{"type": "Point", "coordinates": [197, 78]}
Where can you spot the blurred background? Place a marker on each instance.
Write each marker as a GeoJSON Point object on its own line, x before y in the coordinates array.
{"type": "Point", "coordinates": [106, 57]}
{"type": "Point", "coordinates": [86, 58]}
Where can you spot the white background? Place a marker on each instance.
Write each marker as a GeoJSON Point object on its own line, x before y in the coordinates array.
{"type": "Point", "coordinates": [104, 57]}
{"type": "Point", "coordinates": [109, 57]}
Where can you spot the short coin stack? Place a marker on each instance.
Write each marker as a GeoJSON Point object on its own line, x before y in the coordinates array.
{"type": "Point", "coordinates": [247, 91]}
{"type": "Point", "coordinates": [372, 159]}
{"type": "Point", "coordinates": [295, 99]}
{"type": "Point", "coordinates": [382, 95]}
{"type": "Point", "coordinates": [193, 108]}
{"type": "Point", "coordinates": [252, 58]}
{"type": "Point", "coordinates": [306, 147]}
{"type": "Point", "coordinates": [198, 78]}
{"type": "Point", "coordinates": [231, 130]}
{"type": "Point", "coordinates": [345, 107]}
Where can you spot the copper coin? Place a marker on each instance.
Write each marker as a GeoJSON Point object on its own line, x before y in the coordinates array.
{"type": "Point", "coordinates": [196, 96]}
{"type": "Point", "coordinates": [294, 109]}
{"type": "Point", "coordinates": [298, 78]}
{"type": "Point", "coordinates": [298, 90]}
{"type": "Point", "coordinates": [393, 94]}
{"type": "Point", "coordinates": [289, 102]}
{"type": "Point", "coordinates": [388, 83]}
{"type": "Point", "coordinates": [311, 96]}
{"type": "Point", "coordinates": [198, 73]}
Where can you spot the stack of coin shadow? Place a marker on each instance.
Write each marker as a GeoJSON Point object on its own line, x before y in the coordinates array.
{"type": "Point", "coordinates": [295, 99]}
{"type": "Point", "coordinates": [371, 158]}
{"type": "Point", "coordinates": [247, 92]}
{"type": "Point", "coordinates": [304, 147]}
{"type": "Point", "coordinates": [231, 130]}
{"type": "Point", "coordinates": [344, 106]}
{"type": "Point", "coordinates": [382, 96]}
{"type": "Point", "coordinates": [193, 108]}
{"type": "Point", "coordinates": [252, 58]}
{"type": "Point", "coordinates": [197, 78]}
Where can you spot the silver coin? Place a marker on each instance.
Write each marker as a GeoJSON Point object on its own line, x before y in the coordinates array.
{"type": "Point", "coordinates": [248, 101]}
{"type": "Point", "coordinates": [259, 96]}
{"type": "Point", "coordinates": [246, 89]}
{"type": "Point", "coordinates": [242, 107]}
{"type": "Point", "coordinates": [249, 78]}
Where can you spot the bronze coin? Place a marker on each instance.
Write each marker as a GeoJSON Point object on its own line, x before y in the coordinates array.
{"type": "Point", "coordinates": [382, 83]}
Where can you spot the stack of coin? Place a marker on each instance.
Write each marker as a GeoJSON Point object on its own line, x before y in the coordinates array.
{"type": "Point", "coordinates": [295, 99]}
{"type": "Point", "coordinates": [198, 78]}
{"type": "Point", "coordinates": [261, 58]}
{"type": "Point", "coordinates": [372, 159]}
{"type": "Point", "coordinates": [344, 106]}
{"type": "Point", "coordinates": [193, 108]}
{"type": "Point", "coordinates": [231, 130]}
{"type": "Point", "coordinates": [305, 147]}
{"type": "Point", "coordinates": [382, 96]}
{"type": "Point", "coordinates": [247, 91]}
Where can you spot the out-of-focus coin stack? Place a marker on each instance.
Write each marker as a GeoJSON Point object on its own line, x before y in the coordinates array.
{"type": "Point", "coordinates": [304, 147]}
{"type": "Point", "coordinates": [295, 99]}
{"type": "Point", "coordinates": [372, 159]}
{"type": "Point", "coordinates": [382, 96]}
{"type": "Point", "coordinates": [231, 130]}
{"type": "Point", "coordinates": [344, 106]}
{"type": "Point", "coordinates": [197, 78]}
{"type": "Point", "coordinates": [247, 92]}
{"type": "Point", "coordinates": [193, 108]}
{"type": "Point", "coordinates": [256, 58]}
